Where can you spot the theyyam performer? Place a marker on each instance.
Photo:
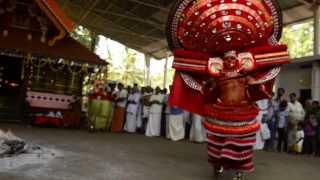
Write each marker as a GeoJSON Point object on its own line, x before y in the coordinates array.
{"type": "Point", "coordinates": [226, 56]}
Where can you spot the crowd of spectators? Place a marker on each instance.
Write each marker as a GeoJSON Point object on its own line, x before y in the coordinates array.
{"type": "Point", "coordinates": [294, 127]}
{"type": "Point", "coordinates": [287, 125]}
{"type": "Point", "coordinates": [146, 111]}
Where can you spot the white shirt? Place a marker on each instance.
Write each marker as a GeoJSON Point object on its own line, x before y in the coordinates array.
{"type": "Point", "coordinates": [282, 123]}
{"type": "Point", "coordinates": [296, 111]}
{"type": "Point", "coordinates": [156, 108]}
{"type": "Point", "coordinates": [133, 108]}
{"type": "Point", "coordinates": [300, 135]}
{"type": "Point", "coordinates": [166, 100]}
{"type": "Point", "coordinates": [122, 94]}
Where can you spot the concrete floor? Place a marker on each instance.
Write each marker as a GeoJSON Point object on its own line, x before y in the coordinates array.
{"type": "Point", "coordinates": [104, 156]}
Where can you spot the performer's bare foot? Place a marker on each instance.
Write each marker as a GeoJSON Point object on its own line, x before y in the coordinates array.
{"type": "Point", "coordinates": [239, 176]}
{"type": "Point", "coordinates": [218, 171]}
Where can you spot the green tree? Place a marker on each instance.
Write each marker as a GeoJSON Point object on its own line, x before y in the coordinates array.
{"type": "Point", "coordinates": [86, 37]}
{"type": "Point", "coordinates": [300, 39]}
{"type": "Point", "coordinates": [127, 72]}
{"type": "Point", "coordinates": [157, 80]}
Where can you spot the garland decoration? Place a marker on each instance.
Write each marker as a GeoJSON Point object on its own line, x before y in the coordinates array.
{"type": "Point", "coordinates": [53, 63]}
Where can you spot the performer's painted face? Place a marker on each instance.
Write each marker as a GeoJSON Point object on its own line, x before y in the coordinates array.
{"type": "Point", "coordinates": [230, 62]}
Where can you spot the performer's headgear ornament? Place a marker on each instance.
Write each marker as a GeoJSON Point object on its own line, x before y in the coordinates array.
{"type": "Point", "coordinates": [232, 54]}
{"type": "Point", "coordinates": [217, 26]}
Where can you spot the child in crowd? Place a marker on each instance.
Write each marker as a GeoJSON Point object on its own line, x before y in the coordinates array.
{"type": "Point", "coordinates": [265, 131]}
{"type": "Point", "coordinates": [310, 132]}
{"type": "Point", "coordinates": [318, 140]}
{"type": "Point", "coordinates": [272, 125]}
{"type": "Point", "coordinates": [300, 139]}
{"type": "Point", "coordinates": [318, 134]}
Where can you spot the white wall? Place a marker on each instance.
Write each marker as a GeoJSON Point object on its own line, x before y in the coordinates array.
{"type": "Point", "coordinates": [294, 78]}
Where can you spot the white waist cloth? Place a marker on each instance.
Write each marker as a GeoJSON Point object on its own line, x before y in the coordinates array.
{"type": "Point", "coordinates": [131, 122]}
{"type": "Point", "coordinates": [262, 104]}
{"type": "Point", "coordinates": [197, 132]}
{"type": "Point", "coordinates": [175, 127]}
{"type": "Point", "coordinates": [139, 117]}
{"type": "Point", "coordinates": [154, 125]}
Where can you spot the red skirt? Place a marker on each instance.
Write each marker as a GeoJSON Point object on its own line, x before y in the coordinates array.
{"type": "Point", "coordinates": [230, 144]}
{"type": "Point", "coordinates": [232, 153]}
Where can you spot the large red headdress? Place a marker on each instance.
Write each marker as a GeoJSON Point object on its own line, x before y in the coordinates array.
{"type": "Point", "coordinates": [217, 26]}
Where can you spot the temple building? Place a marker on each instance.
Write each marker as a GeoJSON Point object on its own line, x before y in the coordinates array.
{"type": "Point", "coordinates": [39, 61]}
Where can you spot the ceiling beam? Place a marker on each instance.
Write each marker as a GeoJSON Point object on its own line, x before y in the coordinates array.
{"type": "Point", "coordinates": [155, 25]}
{"type": "Point", "coordinates": [122, 30]}
{"type": "Point", "coordinates": [150, 5]}
{"type": "Point", "coordinates": [87, 12]}
{"type": "Point", "coordinates": [131, 45]}
{"type": "Point", "coordinates": [132, 34]}
{"type": "Point", "coordinates": [64, 4]}
{"type": "Point", "coordinates": [127, 12]}
{"type": "Point", "coordinates": [137, 19]}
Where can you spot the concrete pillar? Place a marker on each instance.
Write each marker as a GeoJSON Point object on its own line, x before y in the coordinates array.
{"type": "Point", "coordinates": [165, 75]}
{"type": "Point", "coordinates": [317, 30]}
{"type": "Point", "coordinates": [315, 81]}
{"type": "Point", "coordinates": [315, 66]}
{"type": "Point", "coordinates": [147, 59]}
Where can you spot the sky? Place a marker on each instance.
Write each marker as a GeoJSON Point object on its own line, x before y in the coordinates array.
{"type": "Point", "coordinates": [117, 51]}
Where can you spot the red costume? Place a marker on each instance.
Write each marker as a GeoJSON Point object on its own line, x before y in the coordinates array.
{"type": "Point", "coordinates": [226, 58]}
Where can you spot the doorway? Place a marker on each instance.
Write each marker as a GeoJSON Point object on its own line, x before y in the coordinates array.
{"type": "Point", "coordinates": [305, 94]}
{"type": "Point", "coordinates": [10, 88]}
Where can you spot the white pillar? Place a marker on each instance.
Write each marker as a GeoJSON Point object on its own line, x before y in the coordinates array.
{"type": "Point", "coordinates": [165, 75]}
{"type": "Point", "coordinates": [317, 30]}
{"type": "Point", "coordinates": [315, 81]}
{"type": "Point", "coordinates": [315, 66]}
{"type": "Point", "coordinates": [147, 59]}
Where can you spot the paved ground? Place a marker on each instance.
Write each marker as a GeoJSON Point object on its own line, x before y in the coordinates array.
{"type": "Point", "coordinates": [104, 156]}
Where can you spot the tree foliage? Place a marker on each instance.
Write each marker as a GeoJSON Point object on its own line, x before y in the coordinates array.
{"type": "Point", "coordinates": [127, 72]}
{"type": "Point", "coordinates": [299, 38]}
{"type": "Point", "coordinates": [85, 37]}
{"type": "Point", "coordinates": [157, 80]}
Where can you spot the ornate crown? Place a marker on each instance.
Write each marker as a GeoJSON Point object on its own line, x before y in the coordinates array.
{"type": "Point", "coordinates": [217, 26]}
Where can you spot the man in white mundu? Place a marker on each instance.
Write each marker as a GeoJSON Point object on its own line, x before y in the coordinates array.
{"type": "Point", "coordinates": [296, 114]}
{"type": "Point", "coordinates": [175, 125]}
{"type": "Point", "coordinates": [197, 131]}
{"type": "Point", "coordinates": [132, 111]}
{"type": "Point", "coordinates": [154, 120]}
{"type": "Point", "coordinates": [263, 105]}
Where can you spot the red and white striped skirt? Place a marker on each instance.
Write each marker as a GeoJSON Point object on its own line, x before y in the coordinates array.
{"type": "Point", "coordinates": [231, 148]}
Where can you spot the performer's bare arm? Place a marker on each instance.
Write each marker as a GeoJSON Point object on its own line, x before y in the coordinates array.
{"type": "Point", "coordinates": [262, 87]}
{"type": "Point", "coordinates": [209, 86]}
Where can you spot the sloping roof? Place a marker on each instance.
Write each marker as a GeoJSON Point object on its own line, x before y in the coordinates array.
{"type": "Point", "coordinates": [67, 48]}
{"type": "Point", "coordinates": [140, 24]}
{"type": "Point", "coordinates": [59, 44]}
{"type": "Point", "coordinates": [52, 9]}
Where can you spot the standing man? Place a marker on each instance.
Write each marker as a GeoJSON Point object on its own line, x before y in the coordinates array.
{"type": "Point", "coordinates": [119, 113]}
{"type": "Point", "coordinates": [140, 110]}
{"type": "Point", "coordinates": [154, 121]}
{"type": "Point", "coordinates": [296, 114]}
{"type": "Point", "coordinates": [165, 113]}
{"type": "Point", "coordinates": [132, 110]}
{"type": "Point", "coordinates": [260, 140]}
{"type": "Point", "coordinates": [146, 108]}
{"type": "Point", "coordinates": [197, 131]}
{"type": "Point", "coordinates": [273, 118]}
{"type": "Point", "coordinates": [175, 125]}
